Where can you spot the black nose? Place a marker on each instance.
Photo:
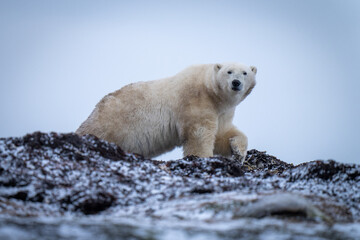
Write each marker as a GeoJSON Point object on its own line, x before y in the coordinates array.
{"type": "Point", "coordinates": [236, 83]}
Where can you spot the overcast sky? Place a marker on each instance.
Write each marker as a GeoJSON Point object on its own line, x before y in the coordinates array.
{"type": "Point", "coordinates": [59, 58]}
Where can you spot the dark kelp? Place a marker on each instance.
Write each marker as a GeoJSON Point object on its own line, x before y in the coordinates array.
{"type": "Point", "coordinates": [64, 175]}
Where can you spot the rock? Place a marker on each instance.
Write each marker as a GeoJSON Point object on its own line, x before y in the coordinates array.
{"type": "Point", "coordinates": [58, 175]}
{"type": "Point", "coordinates": [282, 204]}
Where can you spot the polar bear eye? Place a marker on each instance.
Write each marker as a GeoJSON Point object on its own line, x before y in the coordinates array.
{"type": "Point", "coordinates": [244, 73]}
{"type": "Point", "coordinates": [229, 72]}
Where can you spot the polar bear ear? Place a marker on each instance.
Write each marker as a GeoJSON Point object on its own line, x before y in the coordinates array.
{"type": "Point", "coordinates": [253, 69]}
{"type": "Point", "coordinates": [217, 67]}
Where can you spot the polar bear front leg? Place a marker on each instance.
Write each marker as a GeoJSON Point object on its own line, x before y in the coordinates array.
{"type": "Point", "coordinates": [200, 138]}
{"type": "Point", "coordinates": [238, 145]}
{"type": "Point", "coordinates": [232, 143]}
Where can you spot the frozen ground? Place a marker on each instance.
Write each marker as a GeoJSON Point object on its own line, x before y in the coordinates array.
{"type": "Point", "coordinates": [61, 186]}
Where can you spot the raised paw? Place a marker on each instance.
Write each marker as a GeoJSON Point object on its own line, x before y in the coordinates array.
{"type": "Point", "coordinates": [238, 150]}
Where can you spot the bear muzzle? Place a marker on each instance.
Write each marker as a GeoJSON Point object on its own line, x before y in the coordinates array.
{"type": "Point", "coordinates": [236, 85]}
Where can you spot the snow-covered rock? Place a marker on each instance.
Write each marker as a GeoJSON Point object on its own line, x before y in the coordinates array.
{"type": "Point", "coordinates": [59, 181]}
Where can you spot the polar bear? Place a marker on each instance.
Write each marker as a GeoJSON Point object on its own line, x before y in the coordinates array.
{"type": "Point", "coordinates": [193, 109]}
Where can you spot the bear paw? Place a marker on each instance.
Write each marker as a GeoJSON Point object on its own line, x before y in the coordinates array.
{"type": "Point", "coordinates": [238, 151]}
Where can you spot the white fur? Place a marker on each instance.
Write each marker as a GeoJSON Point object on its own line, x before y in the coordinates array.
{"type": "Point", "coordinates": [193, 109]}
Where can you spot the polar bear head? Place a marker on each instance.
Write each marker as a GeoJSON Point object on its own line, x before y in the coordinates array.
{"type": "Point", "coordinates": [234, 81]}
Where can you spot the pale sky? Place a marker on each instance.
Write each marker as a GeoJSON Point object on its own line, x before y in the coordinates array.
{"type": "Point", "coordinates": [59, 58]}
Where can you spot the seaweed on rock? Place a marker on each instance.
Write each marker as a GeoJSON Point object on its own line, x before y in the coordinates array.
{"type": "Point", "coordinates": [60, 174]}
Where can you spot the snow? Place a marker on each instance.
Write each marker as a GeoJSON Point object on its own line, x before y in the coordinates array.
{"type": "Point", "coordinates": [86, 188]}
